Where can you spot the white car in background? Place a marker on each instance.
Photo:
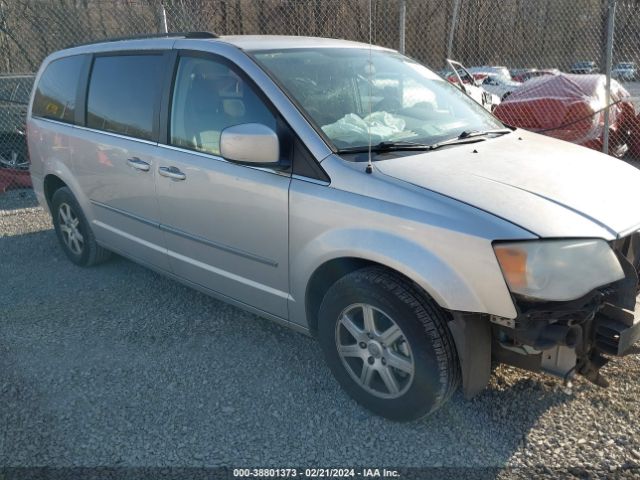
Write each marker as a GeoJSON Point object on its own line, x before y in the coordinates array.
{"type": "Point", "coordinates": [496, 84]}
{"type": "Point", "coordinates": [461, 78]}
{"type": "Point", "coordinates": [495, 70]}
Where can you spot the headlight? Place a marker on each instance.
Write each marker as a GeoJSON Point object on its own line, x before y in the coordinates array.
{"type": "Point", "coordinates": [557, 270]}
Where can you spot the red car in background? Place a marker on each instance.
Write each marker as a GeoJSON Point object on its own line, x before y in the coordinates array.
{"type": "Point", "coordinates": [14, 158]}
{"type": "Point", "coordinates": [634, 138]}
{"type": "Point", "coordinates": [14, 161]}
{"type": "Point", "coordinates": [571, 107]}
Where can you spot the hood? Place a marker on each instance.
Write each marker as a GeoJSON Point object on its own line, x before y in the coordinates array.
{"type": "Point", "coordinates": [549, 187]}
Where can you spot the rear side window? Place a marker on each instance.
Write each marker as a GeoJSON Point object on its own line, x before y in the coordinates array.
{"type": "Point", "coordinates": [123, 93]}
{"type": "Point", "coordinates": [55, 96]}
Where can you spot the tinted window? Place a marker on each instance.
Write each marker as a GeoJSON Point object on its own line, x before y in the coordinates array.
{"type": "Point", "coordinates": [209, 97]}
{"type": "Point", "coordinates": [55, 96]}
{"type": "Point", "coordinates": [123, 91]}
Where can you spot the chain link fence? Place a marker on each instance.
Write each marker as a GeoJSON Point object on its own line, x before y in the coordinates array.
{"type": "Point", "coordinates": [529, 56]}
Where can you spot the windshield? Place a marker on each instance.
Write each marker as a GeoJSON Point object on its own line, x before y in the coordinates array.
{"type": "Point", "coordinates": [354, 94]}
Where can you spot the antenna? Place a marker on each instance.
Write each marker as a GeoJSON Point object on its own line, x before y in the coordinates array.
{"type": "Point", "coordinates": [369, 168]}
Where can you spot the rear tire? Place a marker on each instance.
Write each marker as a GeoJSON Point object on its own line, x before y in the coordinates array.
{"type": "Point", "coordinates": [73, 231]}
{"type": "Point", "coordinates": [358, 314]}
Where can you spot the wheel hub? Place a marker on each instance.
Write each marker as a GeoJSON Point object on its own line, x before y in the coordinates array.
{"type": "Point", "coordinates": [375, 349]}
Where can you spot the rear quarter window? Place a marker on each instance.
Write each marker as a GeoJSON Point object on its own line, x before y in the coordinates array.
{"type": "Point", "coordinates": [55, 96]}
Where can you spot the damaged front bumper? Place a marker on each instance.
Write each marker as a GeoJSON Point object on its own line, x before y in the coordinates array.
{"type": "Point", "coordinates": [577, 337]}
{"type": "Point", "coordinates": [617, 330]}
{"type": "Point", "coordinates": [558, 338]}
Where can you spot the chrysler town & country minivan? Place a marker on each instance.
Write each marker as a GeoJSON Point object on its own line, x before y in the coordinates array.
{"type": "Point", "coordinates": [350, 193]}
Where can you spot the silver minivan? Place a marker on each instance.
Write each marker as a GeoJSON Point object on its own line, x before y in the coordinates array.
{"type": "Point", "coordinates": [350, 193]}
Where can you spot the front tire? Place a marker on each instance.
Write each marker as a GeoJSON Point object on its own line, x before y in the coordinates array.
{"type": "Point", "coordinates": [73, 231]}
{"type": "Point", "coordinates": [388, 344]}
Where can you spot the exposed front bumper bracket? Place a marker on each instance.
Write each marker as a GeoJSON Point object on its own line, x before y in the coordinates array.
{"type": "Point", "coordinates": [617, 329]}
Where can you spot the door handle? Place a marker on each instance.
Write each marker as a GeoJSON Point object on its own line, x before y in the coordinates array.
{"type": "Point", "coordinates": [138, 164]}
{"type": "Point", "coordinates": [173, 173]}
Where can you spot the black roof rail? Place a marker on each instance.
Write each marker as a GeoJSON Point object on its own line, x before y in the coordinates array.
{"type": "Point", "coordinates": [150, 35]}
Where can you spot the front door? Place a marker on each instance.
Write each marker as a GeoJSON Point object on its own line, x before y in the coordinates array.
{"type": "Point", "coordinates": [225, 224]}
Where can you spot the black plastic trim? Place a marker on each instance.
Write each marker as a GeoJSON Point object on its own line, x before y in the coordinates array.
{"type": "Point", "coordinates": [81, 92]}
{"type": "Point", "coordinates": [305, 165]}
{"type": "Point", "coordinates": [167, 93]}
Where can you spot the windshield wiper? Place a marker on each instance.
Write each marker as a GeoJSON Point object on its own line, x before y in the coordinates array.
{"type": "Point", "coordinates": [469, 136]}
{"type": "Point", "coordinates": [387, 146]}
{"type": "Point", "coordinates": [478, 133]}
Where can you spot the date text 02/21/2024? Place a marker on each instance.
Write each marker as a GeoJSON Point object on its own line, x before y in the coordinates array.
{"type": "Point", "coordinates": [314, 473]}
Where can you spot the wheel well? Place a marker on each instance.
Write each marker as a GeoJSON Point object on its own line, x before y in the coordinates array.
{"type": "Point", "coordinates": [325, 276]}
{"type": "Point", "coordinates": [51, 184]}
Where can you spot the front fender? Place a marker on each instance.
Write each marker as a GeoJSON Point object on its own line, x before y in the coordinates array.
{"type": "Point", "coordinates": [443, 245]}
{"type": "Point", "coordinates": [451, 287]}
{"type": "Point", "coordinates": [397, 253]}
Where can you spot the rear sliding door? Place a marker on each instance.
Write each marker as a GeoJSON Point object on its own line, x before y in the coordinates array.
{"type": "Point", "coordinates": [116, 156]}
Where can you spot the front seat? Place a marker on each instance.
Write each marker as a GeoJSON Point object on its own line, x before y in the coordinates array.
{"type": "Point", "coordinates": [204, 116]}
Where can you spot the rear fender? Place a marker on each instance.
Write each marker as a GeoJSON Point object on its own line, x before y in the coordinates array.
{"type": "Point", "coordinates": [58, 167]}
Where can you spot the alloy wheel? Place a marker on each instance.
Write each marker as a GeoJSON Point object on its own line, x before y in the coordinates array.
{"type": "Point", "coordinates": [374, 351]}
{"type": "Point", "coordinates": [69, 223]}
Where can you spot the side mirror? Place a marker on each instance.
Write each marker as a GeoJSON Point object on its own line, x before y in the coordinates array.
{"type": "Point", "coordinates": [250, 143]}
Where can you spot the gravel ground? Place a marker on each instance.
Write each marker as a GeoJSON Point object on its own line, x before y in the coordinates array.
{"type": "Point", "coordinates": [17, 199]}
{"type": "Point", "coordinates": [118, 366]}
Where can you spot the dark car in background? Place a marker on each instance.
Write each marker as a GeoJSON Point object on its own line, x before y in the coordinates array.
{"type": "Point", "coordinates": [584, 68]}
{"type": "Point", "coordinates": [14, 160]}
{"type": "Point", "coordinates": [625, 71]}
